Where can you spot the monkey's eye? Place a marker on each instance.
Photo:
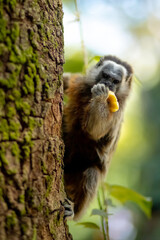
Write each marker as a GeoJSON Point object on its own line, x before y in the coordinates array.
{"type": "Point", "coordinates": [105, 75]}
{"type": "Point", "coordinates": [116, 81]}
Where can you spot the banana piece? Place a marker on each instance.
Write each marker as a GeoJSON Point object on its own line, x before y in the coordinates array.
{"type": "Point", "coordinates": [112, 102]}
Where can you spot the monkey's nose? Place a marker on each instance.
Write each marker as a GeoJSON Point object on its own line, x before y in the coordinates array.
{"type": "Point", "coordinates": [110, 86]}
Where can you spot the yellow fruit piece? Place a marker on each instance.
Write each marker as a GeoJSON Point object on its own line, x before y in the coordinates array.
{"type": "Point", "coordinates": [112, 101]}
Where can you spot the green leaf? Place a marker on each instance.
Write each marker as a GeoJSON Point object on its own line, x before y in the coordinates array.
{"type": "Point", "coordinates": [89, 225]}
{"type": "Point", "coordinates": [124, 194]}
{"type": "Point", "coordinates": [137, 80]}
{"type": "Point", "coordinates": [108, 202]}
{"type": "Point", "coordinates": [95, 58]}
{"type": "Point", "coordinates": [99, 212]}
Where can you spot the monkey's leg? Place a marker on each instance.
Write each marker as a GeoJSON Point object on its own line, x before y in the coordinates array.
{"type": "Point", "coordinates": [85, 191]}
{"type": "Point", "coordinates": [96, 114]}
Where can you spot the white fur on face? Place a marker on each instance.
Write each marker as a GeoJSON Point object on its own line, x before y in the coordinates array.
{"type": "Point", "coordinates": [94, 72]}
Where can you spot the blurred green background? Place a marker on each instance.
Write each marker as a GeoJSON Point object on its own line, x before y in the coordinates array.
{"type": "Point", "coordinates": [129, 29]}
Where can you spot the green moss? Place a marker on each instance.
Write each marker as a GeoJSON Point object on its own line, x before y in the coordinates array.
{"type": "Point", "coordinates": [3, 32]}
{"type": "Point", "coordinates": [27, 145]}
{"type": "Point", "coordinates": [43, 167]}
{"type": "Point", "coordinates": [34, 233]}
{"type": "Point", "coordinates": [37, 82]}
{"type": "Point", "coordinates": [14, 129]}
{"type": "Point", "coordinates": [32, 123]}
{"type": "Point", "coordinates": [59, 82]}
{"type": "Point", "coordinates": [11, 82]}
{"type": "Point", "coordinates": [11, 171]}
{"type": "Point", "coordinates": [29, 53]}
{"type": "Point", "coordinates": [26, 151]}
{"type": "Point", "coordinates": [22, 198]}
{"type": "Point", "coordinates": [49, 34]}
{"type": "Point", "coordinates": [8, 43]}
{"type": "Point", "coordinates": [55, 44]}
{"type": "Point", "coordinates": [25, 90]}
{"type": "Point", "coordinates": [30, 73]}
{"type": "Point", "coordinates": [49, 182]}
{"type": "Point", "coordinates": [3, 50]}
{"type": "Point", "coordinates": [25, 119]}
{"type": "Point", "coordinates": [10, 97]}
{"type": "Point", "coordinates": [3, 158]}
{"type": "Point", "coordinates": [32, 68]}
{"type": "Point", "coordinates": [4, 129]}
{"type": "Point", "coordinates": [3, 154]}
{"type": "Point", "coordinates": [17, 56]}
{"type": "Point", "coordinates": [15, 150]}
{"type": "Point", "coordinates": [23, 106]}
{"type": "Point", "coordinates": [2, 97]}
{"type": "Point", "coordinates": [46, 89]}
{"type": "Point", "coordinates": [40, 123]}
{"type": "Point", "coordinates": [11, 220]}
{"type": "Point", "coordinates": [29, 196]}
{"type": "Point", "coordinates": [11, 3]}
{"type": "Point", "coordinates": [3, 82]}
{"type": "Point", "coordinates": [41, 205]}
{"type": "Point", "coordinates": [14, 32]}
{"type": "Point", "coordinates": [47, 212]}
{"type": "Point", "coordinates": [1, 193]}
{"type": "Point", "coordinates": [1, 8]}
{"type": "Point", "coordinates": [31, 34]}
{"type": "Point", "coordinates": [13, 79]}
{"type": "Point", "coordinates": [2, 180]}
{"type": "Point", "coordinates": [29, 84]}
{"type": "Point", "coordinates": [27, 138]}
{"type": "Point", "coordinates": [16, 93]}
{"type": "Point", "coordinates": [23, 211]}
{"type": "Point", "coordinates": [24, 228]}
{"type": "Point", "coordinates": [10, 111]}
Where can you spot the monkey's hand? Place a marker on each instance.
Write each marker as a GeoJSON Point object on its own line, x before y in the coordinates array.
{"type": "Point", "coordinates": [99, 89]}
{"type": "Point", "coordinates": [68, 209]}
{"type": "Point", "coordinates": [96, 112]}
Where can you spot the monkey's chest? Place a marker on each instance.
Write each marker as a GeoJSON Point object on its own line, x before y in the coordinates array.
{"type": "Point", "coordinates": [82, 157]}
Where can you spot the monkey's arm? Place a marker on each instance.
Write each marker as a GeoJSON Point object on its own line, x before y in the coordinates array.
{"type": "Point", "coordinates": [97, 114]}
{"type": "Point", "coordinates": [68, 78]}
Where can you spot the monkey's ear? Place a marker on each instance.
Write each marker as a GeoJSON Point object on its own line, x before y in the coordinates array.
{"type": "Point", "coordinates": [100, 62]}
{"type": "Point", "coordinates": [129, 78]}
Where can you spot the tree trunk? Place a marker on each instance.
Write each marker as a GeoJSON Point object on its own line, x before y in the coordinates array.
{"type": "Point", "coordinates": [31, 149]}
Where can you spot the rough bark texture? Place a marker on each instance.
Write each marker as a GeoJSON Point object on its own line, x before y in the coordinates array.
{"type": "Point", "coordinates": [31, 149]}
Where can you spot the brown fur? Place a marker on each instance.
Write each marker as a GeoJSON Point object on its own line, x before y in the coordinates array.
{"type": "Point", "coordinates": [90, 133]}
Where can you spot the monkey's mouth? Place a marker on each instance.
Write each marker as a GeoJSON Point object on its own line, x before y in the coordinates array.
{"type": "Point", "coordinates": [108, 84]}
{"type": "Point", "coordinates": [111, 87]}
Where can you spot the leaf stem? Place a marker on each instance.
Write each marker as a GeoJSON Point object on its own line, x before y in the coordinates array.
{"type": "Point", "coordinates": [102, 218]}
{"type": "Point", "coordinates": [106, 210]}
{"type": "Point", "coordinates": [85, 56]}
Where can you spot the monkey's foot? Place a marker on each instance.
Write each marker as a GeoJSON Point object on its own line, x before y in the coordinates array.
{"type": "Point", "coordinates": [68, 209]}
{"type": "Point", "coordinates": [99, 89]}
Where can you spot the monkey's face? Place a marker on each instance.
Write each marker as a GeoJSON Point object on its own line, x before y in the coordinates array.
{"type": "Point", "coordinates": [112, 75]}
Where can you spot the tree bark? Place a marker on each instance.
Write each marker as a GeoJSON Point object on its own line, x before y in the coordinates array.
{"type": "Point", "coordinates": [31, 148]}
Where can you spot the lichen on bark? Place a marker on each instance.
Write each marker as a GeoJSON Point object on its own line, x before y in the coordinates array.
{"type": "Point", "coordinates": [31, 149]}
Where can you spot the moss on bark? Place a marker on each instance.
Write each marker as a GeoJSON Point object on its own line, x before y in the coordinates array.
{"type": "Point", "coordinates": [31, 149]}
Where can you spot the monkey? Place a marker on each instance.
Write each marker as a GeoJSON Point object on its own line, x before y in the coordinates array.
{"type": "Point", "coordinates": [90, 130]}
